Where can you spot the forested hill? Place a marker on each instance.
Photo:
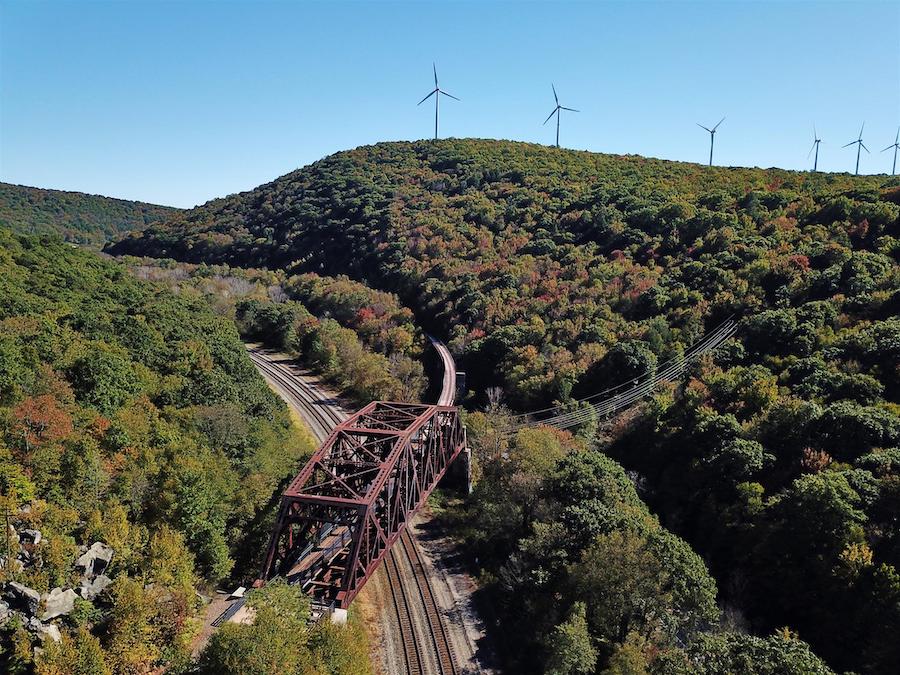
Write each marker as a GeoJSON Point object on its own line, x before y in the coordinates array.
{"type": "Point", "coordinates": [139, 454]}
{"type": "Point", "coordinates": [79, 218]}
{"type": "Point", "coordinates": [556, 273]}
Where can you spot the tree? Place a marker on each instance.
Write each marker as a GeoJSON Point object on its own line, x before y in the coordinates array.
{"type": "Point", "coordinates": [780, 654]}
{"type": "Point", "coordinates": [40, 419]}
{"type": "Point", "coordinates": [132, 646]}
{"type": "Point", "coordinates": [78, 654]}
{"type": "Point", "coordinates": [104, 378]}
{"type": "Point", "coordinates": [275, 643]}
{"type": "Point", "coordinates": [623, 585]}
{"type": "Point", "coordinates": [571, 650]}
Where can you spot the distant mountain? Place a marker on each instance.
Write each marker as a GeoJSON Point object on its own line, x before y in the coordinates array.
{"type": "Point", "coordinates": [78, 217]}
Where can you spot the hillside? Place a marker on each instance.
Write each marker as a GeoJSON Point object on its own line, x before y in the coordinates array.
{"type": "Point", "coordinates": [131, 422]}
{"type": "Point", "coordinates": [77, 217]}
{"type": "Point", "coordinates": [557, 273]}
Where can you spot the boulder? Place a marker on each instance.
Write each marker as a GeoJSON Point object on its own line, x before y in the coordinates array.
{"type": "Point", "coordinates": [22, 597]}
{"type": "Point", "coordinates": [59, 603]}
{"type": "Point", "coordinates": [16, 564]}
{"type": "Point", "coordinates": [31, 537]}
{"type": "Point", "coordinates": [44, 631]}
{"type": "Point", "coordinates": [90, 589]}
{"type": "Point", "coordinates": [49, 632]}
{"type": "Point", "coordinates": [96, 559]}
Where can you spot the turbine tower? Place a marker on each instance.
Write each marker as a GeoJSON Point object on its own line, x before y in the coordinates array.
{"type": "Point", "coordinates": [895, 146]}
{"type": "Point", "coordinates": [556, 111]}
{"type": "Point", "coordinates": [859, 146]}
{"type": "Point", "coordinates": [436, 92]}
{"type": "Point", "coordinates": [815, 146]}
{"type": "Point", "coordinates": [712, 137]}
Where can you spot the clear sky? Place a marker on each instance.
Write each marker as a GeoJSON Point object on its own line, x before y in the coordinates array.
{"type": "Point", "coordinates": [179, 102]}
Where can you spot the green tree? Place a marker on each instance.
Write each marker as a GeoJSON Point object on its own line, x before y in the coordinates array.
{"type": "Point", "coordinates": [275, 642]}
{"type": "Point", "coordinates": [571, 650]}
{"type": "Point", "coordinates": [78, 654]}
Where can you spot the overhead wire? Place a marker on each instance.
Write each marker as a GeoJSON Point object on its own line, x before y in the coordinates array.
{"type": "Point", "coordinates": [640, 386]}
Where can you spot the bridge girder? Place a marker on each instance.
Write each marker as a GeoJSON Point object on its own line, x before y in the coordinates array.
{"type": "Point", "coordinates": [356, 494]}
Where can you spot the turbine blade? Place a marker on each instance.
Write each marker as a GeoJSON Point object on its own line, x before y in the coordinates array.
{"type": "Point", "coordinates": [446, 94]}
{"type": "Point", "coordinates": [551, 114]}
{"type": "Point", "coordinates": [861, 129]}
{"type": "Point", "coordinates": [434, 67]}
{"type": "Point", "coordinates": [810, 150]}
{"type": "Point", "coordinates": [897, 137]}
{"type": "Point", "coordinates": [849, 144]}
{"type": "Point", "coordinates": [815, 133]}
{"type": "Point", "coordinates": [428, 97]}
{"type": "Point", "coordinates": [555, 97]}
{"type": "Point", "coordinates": [864, 146]}
{"type": "Point", "coordinates": [888, 147]}
{"type": "Point", "coordinates": [717, 125]}
{"type": "Point", "coordinates": [569, 109]}
{"type": "Point", "coordinates": [703, 127]}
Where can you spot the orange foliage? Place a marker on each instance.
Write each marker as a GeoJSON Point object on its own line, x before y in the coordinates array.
{"type": "Point", "coordinates": [40, 419]}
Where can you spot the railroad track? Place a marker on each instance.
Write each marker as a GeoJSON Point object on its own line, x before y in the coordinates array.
{"type": "Point", "coordinates": [416, 613]}
{"type": "Point", "coordinates": [438, 631]}
{"type": "Point", "coordinates": [448, 384]}
{"type": "Point", "coordinates": [320, 411]}
{"type": "Point", "coordinates": [403, 614]}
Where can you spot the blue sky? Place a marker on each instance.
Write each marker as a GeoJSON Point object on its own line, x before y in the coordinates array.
{"type": "Point", "coordinates": [179, 102]}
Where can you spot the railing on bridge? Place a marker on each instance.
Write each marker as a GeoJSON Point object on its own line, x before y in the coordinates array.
{"type": "Point", "coordinates": [351, 501]}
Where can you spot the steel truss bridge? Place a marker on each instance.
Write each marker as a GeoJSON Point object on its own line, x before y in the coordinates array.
{"type": "Point", "coordinates": [357, 494]}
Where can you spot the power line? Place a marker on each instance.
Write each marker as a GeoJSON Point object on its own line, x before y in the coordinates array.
{"type": "Point", "coordinates": [639, 387]}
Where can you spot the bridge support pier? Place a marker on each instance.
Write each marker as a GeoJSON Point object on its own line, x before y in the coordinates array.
{"type": "Point", "coordinates": [459, 473]}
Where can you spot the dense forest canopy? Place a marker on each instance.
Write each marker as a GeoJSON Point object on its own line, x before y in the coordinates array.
{"type": "Point", "coordinates": [555, 274]}
{"type": "Point", "coordinates": [134, 431]}
{"type": "Point", "coordinates": [77, 217]}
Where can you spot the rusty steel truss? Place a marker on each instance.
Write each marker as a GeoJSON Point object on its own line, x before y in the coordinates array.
{"type": "Point", "coordinates": [352, 500]}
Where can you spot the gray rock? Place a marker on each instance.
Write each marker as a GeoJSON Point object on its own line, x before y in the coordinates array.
{"type": "Point", "coordinates": [90, 589]}
{"type": "Point", "coordinates": [31, 536]}
{"type": "Point", "coordinates": [50, 631]}
{"type": "Point", "coordinates": [22, 597]}
{"type": "Point", "coordinates": [44, 631]}
{"type": "Point", "coordinates": [5, 612]}
{"type": "Point", "coordinates": [16, 564]}
{"type": "Point", "coordinates": [59, 603]}
{"type": "Point", "coordinates": [96, 559]}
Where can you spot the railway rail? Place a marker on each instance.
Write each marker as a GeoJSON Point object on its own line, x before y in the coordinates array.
{"type": "Point", "coordinates": [448, 384]}
{"type": "Point", "coordinates": [437, 629]}
{"type": "Point", "coordinates": [320, 411]}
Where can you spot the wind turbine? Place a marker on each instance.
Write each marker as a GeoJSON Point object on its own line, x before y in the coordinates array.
{"type": "Point", "coordinates": [895, 146]}
{"type": "Point", "coordinates": [815, 146]}
{"type": "Point", "coordinates": [436, 92]}
{"type": "Point", "coordinates": [859, 145]}
{"type": "Point", "coordinates": [556, 111]}
{"type": "Point", "coordinates": [712, 137]}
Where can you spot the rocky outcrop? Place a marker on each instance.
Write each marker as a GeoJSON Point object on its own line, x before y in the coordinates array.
{"type": "Point", "coordinates": [95, 560]}
{"type": "Point", "coordinates": [59, 603]}
{"type": "Point", "coordinates": [30, 537]}
{"type": "Point", "coordinates": [21, 597]}
{"type": "Point", "coordinates": [91, 588]}
{"type": "Point", "coordinates": [45, 631]}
